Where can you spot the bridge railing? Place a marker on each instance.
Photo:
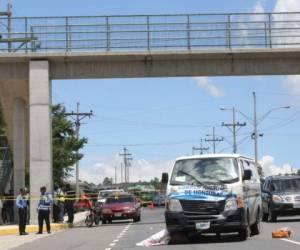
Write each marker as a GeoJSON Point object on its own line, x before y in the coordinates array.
{"type": "Point", "coordinates": [149, 32]}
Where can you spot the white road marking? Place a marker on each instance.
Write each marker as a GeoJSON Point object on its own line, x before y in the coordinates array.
{"type": "Point", "coordinates": [291, 241]}
{"type": "Point", "coordinates": [114, 242]}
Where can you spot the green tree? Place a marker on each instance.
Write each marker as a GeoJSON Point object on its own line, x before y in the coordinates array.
{"type": "Point", "coordinates": [298, 172]}
{"type": "Point", "coordinates": [65, 145]}
{"type": "Point", "coordinates": [107, 181]}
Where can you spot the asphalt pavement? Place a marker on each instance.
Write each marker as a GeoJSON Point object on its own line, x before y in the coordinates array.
{"type": "Point", "coordinates": [125, 235]}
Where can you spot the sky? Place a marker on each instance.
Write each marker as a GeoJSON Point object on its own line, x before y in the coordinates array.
{"type": "Point", "coordinates": [160, 119]}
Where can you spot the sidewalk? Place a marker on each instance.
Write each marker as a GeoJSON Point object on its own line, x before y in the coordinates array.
{"type": "Point", "coordinates": [9, 235]}
{"type": "Point", "coordinates": [14, 229]}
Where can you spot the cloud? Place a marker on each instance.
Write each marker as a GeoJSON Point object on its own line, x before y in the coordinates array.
{"type": "Point", "coordinates": [270, 168]}
{"type": "Point", "coordinates": [287, 6]}
{"type": "Point", "coordinates": [140, 169]}
{"type": "Point", "coordinates": [292, 85]}
{"type": "Point", "coordinates": [206, 84]}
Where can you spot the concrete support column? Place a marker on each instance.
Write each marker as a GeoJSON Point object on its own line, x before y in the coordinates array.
{"type": "Point", "coordinates": [19, 145]}
{"type": "Point", "coordinates": [40, 132]}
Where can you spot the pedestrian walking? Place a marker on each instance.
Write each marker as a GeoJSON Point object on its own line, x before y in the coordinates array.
{"type": "Point", "coordinates": [44, 207]}
{"type": "Point", "coordinates": [21, 204]}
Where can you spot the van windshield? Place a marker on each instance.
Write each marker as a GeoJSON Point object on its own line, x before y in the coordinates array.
{"type": "Point", "coordinates": [205, 171]}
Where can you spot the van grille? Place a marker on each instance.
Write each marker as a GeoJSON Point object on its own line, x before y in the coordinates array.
{"type": "Point", "coordinates": [202, 207]}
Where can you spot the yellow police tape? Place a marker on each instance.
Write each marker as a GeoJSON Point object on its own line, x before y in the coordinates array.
{"type": "Point", "coordinates": [13, 198]}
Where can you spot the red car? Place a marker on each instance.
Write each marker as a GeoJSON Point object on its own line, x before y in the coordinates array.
{"type": "Point", "coordinates": [123, 207]}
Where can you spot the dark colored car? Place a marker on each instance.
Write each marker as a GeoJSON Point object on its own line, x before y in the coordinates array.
{"type": "Point", "coordinates": [123, 207]}
{"type": "Point", "coordinates": [281, 197]}
{"type": "Point", "coordinates": [159, 200]}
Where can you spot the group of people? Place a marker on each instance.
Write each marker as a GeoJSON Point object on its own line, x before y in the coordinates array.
{"type": "Point", "coordinates": [60, 202]}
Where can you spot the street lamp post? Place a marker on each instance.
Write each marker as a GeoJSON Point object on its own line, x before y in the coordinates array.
{"type": "Point", "coordinates": [255, 122]}
{"type": "Point", "coordinates": [255, 134]}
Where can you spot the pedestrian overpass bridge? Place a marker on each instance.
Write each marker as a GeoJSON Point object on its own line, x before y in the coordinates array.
{"type": "Point", "coordinates": [36, 50]}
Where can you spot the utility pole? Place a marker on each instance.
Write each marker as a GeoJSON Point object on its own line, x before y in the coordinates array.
{"type": "Point", "coordinates": [126, 160]}
{"type": "Point", "coordinates": [234, 128]}
{"type": "Point", "coordinates": [121, 172]}
{"type": "Point", "coordinates": [116, 175]}
{"type": "Point", "coordinates": [79, 116]}
{"type": "Point", "coordinates": [214, 140]}
{"type": "Point", "coordinates": [201, 148]}
{"type": "Point", "coordinates": [255, 132]}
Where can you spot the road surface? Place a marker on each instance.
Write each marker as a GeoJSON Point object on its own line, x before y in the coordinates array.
{"type": "Point", "coordinates": [125, 235]}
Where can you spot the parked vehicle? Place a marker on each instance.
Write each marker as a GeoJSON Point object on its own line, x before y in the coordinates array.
{"type": "Point", "coordinates": [122, 207]}
{"type": "Point", "coordinates": [281, 197]}
{"type": "Point", "coordinates": [213, 194]}
{"type": "Point", "coordinates": [159, 200]}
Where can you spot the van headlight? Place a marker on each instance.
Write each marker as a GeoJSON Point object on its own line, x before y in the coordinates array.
{"type": "Point", "coordinates": [231, 204]}
{"type": "Point", "coordinates": [277, 198]}
{"type": "Point", "coordinates": [174, 205]}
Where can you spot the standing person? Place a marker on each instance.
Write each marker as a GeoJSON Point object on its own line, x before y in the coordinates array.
{"type": "Point", "coordinates": [61, 204]}
{"type": "Point", "coordinates": [21, 204]}
{"type": "Point", "coordinates": [27, 198]}
{"type": "Point", "coordinates": [1, 206]}
{"type": "Point", "coordinates": [70, 198]}
{"type": "Point", "coordinates": [4, 209]}
{"type": "Point", "coordinates": [55, 206]}
{"type": "Point", "coordinates": [44, 207]}
{"type": "Point", "coordinates": [10, 207]}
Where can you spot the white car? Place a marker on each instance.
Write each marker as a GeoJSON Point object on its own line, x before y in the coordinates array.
{"type": "Point", "coordinates": [103, 194]}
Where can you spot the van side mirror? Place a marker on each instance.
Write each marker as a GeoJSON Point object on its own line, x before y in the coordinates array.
{"type": "Point", "coordinates": [165, 178]}
{"type": "Point", "coordinates": [247, 175]}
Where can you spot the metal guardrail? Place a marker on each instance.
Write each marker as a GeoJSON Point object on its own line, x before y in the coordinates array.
{"type": "Point", "coordinates": [150, 32]}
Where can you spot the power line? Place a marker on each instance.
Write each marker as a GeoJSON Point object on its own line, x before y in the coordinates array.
{"type": "Point", "coordinates": [201, 148]}
{"type": "Point", "coordinates": [126, 158]}
{"type": "Point", "coordinates": [214, 140]}
{"type": "Point", "coordinates": [234, 128]}
{"type": "Point", "coordinates": [78, 116]}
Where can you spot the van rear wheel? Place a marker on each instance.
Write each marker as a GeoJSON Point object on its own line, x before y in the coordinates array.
{"type": "Point", "coordinates": [271, 216]}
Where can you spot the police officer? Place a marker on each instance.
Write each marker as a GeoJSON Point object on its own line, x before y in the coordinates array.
{"type": "Point", "coordinates": [44, 207]}
{"type": "Point", "coordinates": [21, 204]}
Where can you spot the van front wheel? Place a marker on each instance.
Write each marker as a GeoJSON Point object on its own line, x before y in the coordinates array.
{"type": "Point", "coordinates": [244, 234]}
{"type": "Point", "coordinates": [255, 228]}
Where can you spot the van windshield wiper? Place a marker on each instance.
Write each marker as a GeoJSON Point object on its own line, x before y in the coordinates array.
{"type": "Point", "coordinates": [229, 181]}
{"type": "Point", "coordinates": [193, 177]}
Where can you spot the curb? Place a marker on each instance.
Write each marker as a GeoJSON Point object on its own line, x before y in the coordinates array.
{"type": "Point", "coordinates": [14, 230]}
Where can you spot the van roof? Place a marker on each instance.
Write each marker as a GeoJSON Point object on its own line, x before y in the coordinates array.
{"type": "Point", "coordinates": [205, 156]}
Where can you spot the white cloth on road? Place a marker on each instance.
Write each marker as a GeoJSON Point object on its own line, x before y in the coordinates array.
{"type": "Point", "coordinates": [160, 238]}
